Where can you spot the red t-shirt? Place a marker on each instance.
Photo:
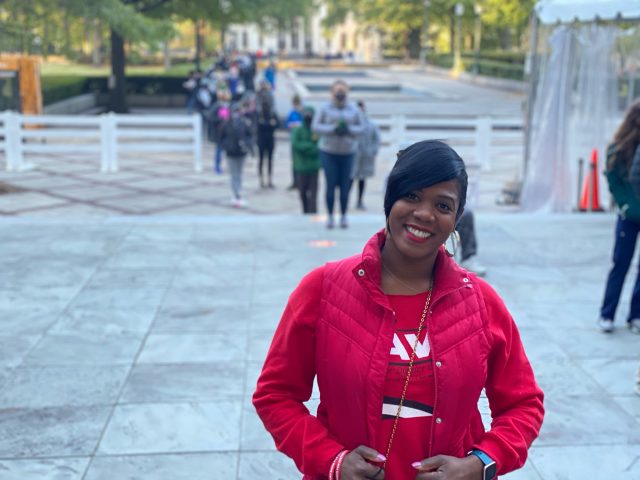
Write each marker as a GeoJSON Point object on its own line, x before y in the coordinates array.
{"type": "Point", "coordinates": [411, 441]}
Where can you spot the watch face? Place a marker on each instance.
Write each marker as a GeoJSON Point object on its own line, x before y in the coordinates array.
{"type": "Point", "coordinates": [490, 471]}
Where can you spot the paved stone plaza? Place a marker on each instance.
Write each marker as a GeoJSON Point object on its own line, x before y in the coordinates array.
{"type": "Point", "coordinates": [131, 346]}
{"type": "Point", "coordinates": [136, 309]}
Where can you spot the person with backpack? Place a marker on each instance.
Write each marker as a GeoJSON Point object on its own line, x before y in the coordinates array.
{"type": "Point", "coordinates": [620, 164]}
{"type": "Point", "coordinates": [267, 123]}
{"type": "Point", "coordinates": [237, 142]}
{"type": "Point", "coordinates": [217, 116]}
{"type": "Point", "coordinates": [306, 162]}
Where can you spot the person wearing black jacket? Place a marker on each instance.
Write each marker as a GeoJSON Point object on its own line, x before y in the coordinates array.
{"type": "Point", "coordinates": [266, 127]}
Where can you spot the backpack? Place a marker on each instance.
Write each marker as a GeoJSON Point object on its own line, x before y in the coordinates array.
{"type": "Point", "coordinates": [634, 172]}
{"type": "Point", "coordinates": [234, 138]}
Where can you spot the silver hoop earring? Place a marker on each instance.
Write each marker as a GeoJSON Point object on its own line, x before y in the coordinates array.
{"type": "Point", "coordinates": [454, 239]}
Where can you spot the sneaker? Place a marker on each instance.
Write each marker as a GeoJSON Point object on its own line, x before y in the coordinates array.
{"type": "Point", "coordinates": [330, 223]}
{"type": "Point", "coordinates": [472, 265]}
{"type": "Point", "coordinates": [634, 325]}
{"type": "Point", "coordinates": [344, 223]}
{"type": "Point", "coordinates": [361, 206]}
{"type": "Point", "coordinates": [242, 203]}
{"type": "Point", "coordinates": [605, 325]}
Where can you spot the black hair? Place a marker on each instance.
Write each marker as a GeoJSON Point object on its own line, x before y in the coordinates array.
{"type": "Point", "coordinates": [421, 165]}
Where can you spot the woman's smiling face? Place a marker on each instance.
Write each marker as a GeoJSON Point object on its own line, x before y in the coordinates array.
{"type": "Point", "coordinates": [422, 220]}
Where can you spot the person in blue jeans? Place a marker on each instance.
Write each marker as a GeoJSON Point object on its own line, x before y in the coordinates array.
{"type": "Point", "coordinates": [620, 157]}
{"type": "Point", "coordinates": [338, 124]}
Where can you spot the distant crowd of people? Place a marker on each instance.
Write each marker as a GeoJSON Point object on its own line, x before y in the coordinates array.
{"type": "Point", "coordinates": [339, 139]}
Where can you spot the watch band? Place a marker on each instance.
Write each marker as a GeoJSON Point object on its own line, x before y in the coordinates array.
{"type": "Point", "coordinates": [490, 468]}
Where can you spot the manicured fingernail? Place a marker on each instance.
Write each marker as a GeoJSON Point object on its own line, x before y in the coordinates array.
{"type": "Point", "coordinates": [416, 464]}
{"type": "Point", "coordinates": [381, 458]}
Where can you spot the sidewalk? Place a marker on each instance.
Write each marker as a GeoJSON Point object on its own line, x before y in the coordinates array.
{"type": "Point", "coordinates": [130, 346]}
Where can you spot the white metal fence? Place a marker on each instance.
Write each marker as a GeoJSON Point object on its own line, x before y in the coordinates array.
{"type": "Point", "coordinates": [476, 139]}
{"type": "Point", "coordinates": [106, 136]}
{"type": "Point", "coordinates": [109, 136]}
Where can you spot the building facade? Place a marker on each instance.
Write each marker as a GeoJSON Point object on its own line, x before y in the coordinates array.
{"type": "Point", "coordinates": [308, 37]}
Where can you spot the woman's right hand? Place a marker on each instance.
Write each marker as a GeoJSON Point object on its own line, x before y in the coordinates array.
{"type": "Point", "coordinates": [356, 466]}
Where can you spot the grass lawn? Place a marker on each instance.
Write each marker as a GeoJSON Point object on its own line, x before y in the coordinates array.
{"type": "Point", "coordinates": [56, 69]}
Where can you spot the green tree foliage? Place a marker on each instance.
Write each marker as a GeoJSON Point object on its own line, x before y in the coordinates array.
{"type": "Point", "coordinates": [404, 23]}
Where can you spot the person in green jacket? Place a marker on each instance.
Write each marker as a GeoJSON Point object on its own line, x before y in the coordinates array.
{"type": "Point", "coordinates": [306, 162]}
{"type": "Point", "coordinates": [620, 155]}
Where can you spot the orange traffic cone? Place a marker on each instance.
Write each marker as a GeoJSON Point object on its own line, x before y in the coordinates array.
{"type": "Point", "coordinates": [595, 198]}
{"type": "Point", "coordinates": [584, 199]}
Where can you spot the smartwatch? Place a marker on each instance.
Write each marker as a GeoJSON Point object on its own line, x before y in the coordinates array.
{"type": "Point", "coordinates": [490, 467]}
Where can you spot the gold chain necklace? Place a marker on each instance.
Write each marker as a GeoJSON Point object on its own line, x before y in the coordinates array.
{"type": "Point", "coordinates": [406, 381]}
{"type": "Point", "coordinates": [384, 265]}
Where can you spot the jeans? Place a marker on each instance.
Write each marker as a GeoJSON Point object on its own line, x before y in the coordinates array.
{"type": "Point", "coordinates": [337, 172]}
{"type": "Point", "coordinates": [235, 169]}
{"type": "Point", "coordinates": [308, 188]}
{"type": "Point", "coordinates": [625, 244]}
{"type": "Point", "coordinates": [217, 162]}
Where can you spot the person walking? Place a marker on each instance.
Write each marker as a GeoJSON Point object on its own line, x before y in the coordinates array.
{"type": "Point", "coordinates": [402, 342]}
{"type": "Point", "coordinates": [294, 120]}
{"type": "Point", "coordinates": [338, 123]}
{"type": "Point", "coordinates": [267, 124]}
{"type": "Point", "coordinates": [306, 162]}
{"type": "Point", "coordinates": [270, 74]}
{"type": "Point", "coordinates": [219, 115]}
{"type": "Point", "coordinates": [620, 154]}
{"type": "Point", "coordinates": [368, 146]}
{"type": "Point", "coordinates": [237, 142]}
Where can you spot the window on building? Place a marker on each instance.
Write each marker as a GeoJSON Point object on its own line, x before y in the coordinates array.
{"type": "Point", "coordinates": [245, 40]}
{"type": "Point", "coordinates": [343, 41]}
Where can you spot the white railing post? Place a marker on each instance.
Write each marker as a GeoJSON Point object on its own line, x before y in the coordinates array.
{"type": "Point", "coordinates": [197, 142]}
{"type": "Point", "coordinates": [105, 154]}
{"type": "Point", "coordinates": [398, 127]}
{"type": "Point", "coordinates": [112, 139]}
{"type": "Point", "coordinates": [13, 142]}
{"type": "Point", "coordinates": [483, 142]}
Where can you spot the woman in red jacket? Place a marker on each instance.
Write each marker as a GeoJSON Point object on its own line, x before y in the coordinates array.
{"type": "Point", "coordinates": [402, 342]}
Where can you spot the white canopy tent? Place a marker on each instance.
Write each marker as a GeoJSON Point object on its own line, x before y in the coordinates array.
{"type": "Point", "coordinates": [583, 76]}
{"type": "Point", "coordinates": [566, 11]}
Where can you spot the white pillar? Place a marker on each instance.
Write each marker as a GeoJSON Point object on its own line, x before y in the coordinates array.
{"type": "Point", "coordinates": [108, 143]}
{"type": "Point", "coordinates": [483, 142]}
{"type": "Point", "coordinates": [13, 141]}
{"type": "Point", "coordinates": [197, 141]}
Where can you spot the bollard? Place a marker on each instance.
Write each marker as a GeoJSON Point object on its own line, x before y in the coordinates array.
{"type": "Point", "coordinates": [580, 178]}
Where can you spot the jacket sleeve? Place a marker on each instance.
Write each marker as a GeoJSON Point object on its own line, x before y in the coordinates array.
{"type": "Point", "coordinates": [320, 125]}
{"type": "Point", "coordinates": [286, 382]}
{"type": "Point", "coordinates": [515, 399]}
{"type": "Point", "coordinates": [357, 126]}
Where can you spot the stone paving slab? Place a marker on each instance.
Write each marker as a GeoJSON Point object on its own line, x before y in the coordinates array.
{"type": "Point", "coordinates": [131, 345]}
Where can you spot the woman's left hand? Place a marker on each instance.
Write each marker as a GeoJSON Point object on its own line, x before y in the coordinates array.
{"type": "Point", "coordinates": [444, 467]}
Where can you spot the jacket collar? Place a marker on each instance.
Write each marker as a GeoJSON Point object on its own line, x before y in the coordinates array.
{"type": "Point", "coordinates": [448, 276]}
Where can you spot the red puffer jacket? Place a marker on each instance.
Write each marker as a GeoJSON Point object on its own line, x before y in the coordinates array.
{"type": "Point", "coordinates": [338, 325]}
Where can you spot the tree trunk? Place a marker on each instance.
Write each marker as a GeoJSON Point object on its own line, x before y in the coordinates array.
{"type": "Point", "coordinates": [67, 35]}
{"type": "Point", "coordinates": [96, 56]}
{"type": "Point", "coordinates": [223, 38]}
{"type": "Point", "coordinates": [505, 38]}
{"type": "Point", "coordinates": [117, 91]}
{"type": "Point", "coordinates": [452, 33]}
{"type": "Point", "coordinates": [413, 43]}
{"type": "Point", "coordinates": [196, 24]}
{"type": "Point", "coordinates": [166, 51]}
